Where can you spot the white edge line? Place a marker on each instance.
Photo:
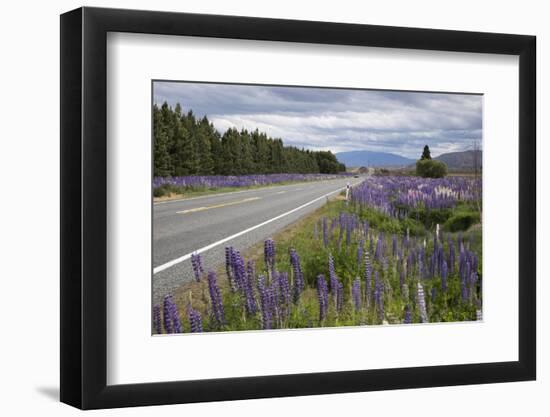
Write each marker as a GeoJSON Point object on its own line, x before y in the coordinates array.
{"type": "Point", "coordinates": [183, 258]}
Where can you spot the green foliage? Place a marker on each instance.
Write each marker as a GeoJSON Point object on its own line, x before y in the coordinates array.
{"type": "Point", "coordinates": [167, 189]}
{"type": "Point", "coordinates": [430, 168]}
{"type": "Point", "coordinates": [185, 145]}
{"type": "Point", "coordinates": [388, 224]}
{"type": "Point", "coordinates": [429, 218]}
{"type": "Point", "coordinates": [164, 189]}
{"type": "Point", "coordinates": [442, 307]}
{"type": "Point", "coordinates": [462, 221]}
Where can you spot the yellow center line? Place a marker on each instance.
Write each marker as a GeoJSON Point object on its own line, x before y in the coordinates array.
{"type": "Point", "coordinates": [231, 203]}
{"type": "Point", "coordinates": [281, 192]}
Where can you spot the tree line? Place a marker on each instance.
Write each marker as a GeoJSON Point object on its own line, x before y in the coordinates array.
{"type": "Point", "coordinates": [187, 145]}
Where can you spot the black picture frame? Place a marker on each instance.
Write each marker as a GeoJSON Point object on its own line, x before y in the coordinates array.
{"type": "Point", "coordinates": [84, 207]}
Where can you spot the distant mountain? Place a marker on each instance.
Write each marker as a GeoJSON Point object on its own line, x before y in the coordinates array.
{"type": "Point", "coordinates": [372, 159]}
{"type": "Point", "coordinates": [462, 161]}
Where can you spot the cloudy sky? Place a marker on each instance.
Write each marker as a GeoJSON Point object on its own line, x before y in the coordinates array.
{"type": "Point", "coordinates": [336, 119]}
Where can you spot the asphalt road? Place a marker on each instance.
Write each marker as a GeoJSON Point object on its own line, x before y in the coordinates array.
{"type": "Point", "coordinates": [240, 219]}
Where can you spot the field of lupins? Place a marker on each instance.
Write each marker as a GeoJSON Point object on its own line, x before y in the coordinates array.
{"type": "Point", "coordinates": [224, 181]}
{"type": "Point", "coordinates": [375, 259]}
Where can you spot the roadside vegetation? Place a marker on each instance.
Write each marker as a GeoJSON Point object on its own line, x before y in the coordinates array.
{"type": "Point", "coordinates": [195, 185]}
{"type": "Point", "coordinates": [402, 250]}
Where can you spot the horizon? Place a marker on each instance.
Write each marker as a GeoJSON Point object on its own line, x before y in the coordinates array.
{"type": "Point", "coordinates": [339, 120]}
{"type": "Point", "coordinates": [402, 156]}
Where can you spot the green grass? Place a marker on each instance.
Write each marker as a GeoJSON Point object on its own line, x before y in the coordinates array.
{"type": "Point", "coordinates": [445, 306]}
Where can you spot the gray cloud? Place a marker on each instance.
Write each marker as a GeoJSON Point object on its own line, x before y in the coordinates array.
{"type": "Point", "coordinates": [336, 119]}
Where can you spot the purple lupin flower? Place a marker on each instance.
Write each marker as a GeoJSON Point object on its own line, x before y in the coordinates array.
{"type": "Point", "coordinates": [356, 294]}
{"type": "Point", "coordinates": [156, 319]}
{"type": "Point", "coordinates": [269, 254]}
{"type": "Point", "coordinates": [432, 265]}
{"type": "Point", "coordinates": [266, 303]}
{"type": "Point", "coordinates": [440, 258]}
{"type": "Point", "coordinates": [196, 262]}
{"type": "Point", "coordinates": [195, 319]}
{"type": "Point", "coordinates": [444, 272]}
{"type": "Point", "coordinates": [167, 314]}
{"type": "Point", "coordinates": [172, 323]}
{"type": "Point", "coordinates": [332, 275]}
{"type": "Point", "coordinates": [283, 288]}
{"type": "Point", "coordinates": [230, 267]}
{"type": "Point", "coordinates": [420, 264]}
{"type": "Point", "coordinates": [228, 258]}
{"type": "Point", "coordinates": [240, 272]}
{"type": "Point", "coordinates": [322, 295]}
{"type": "Point", "coordinates": [216, 299]}
{"type": "Point", "coordinates": [421, 303]}
{"type": "Point", "coordinates": [378, 252]}
{"type": "Point", "coordinates": [298, 276]}
{"type": "Point", "coordinates": [368, 278]}
{"type": "Point", "coordinates": [408, 316]}
{"type": "Point", "coordinates": [376, 281]}
{"type": "Point", "coordinates": [379, 297]}
{"type": "Point", "coordinates": [248, 289]}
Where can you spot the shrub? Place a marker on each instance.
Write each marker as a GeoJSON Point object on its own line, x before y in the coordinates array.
{"type": "Point", "coordinates": [430, 168]}
{"type": "Point", "coordinates": [462, 221]}
{"type": "Point", "coordinates": [430, 217]}
{"type": "Point", "coordinates": [415, 228]}
{"type": "Point", "coordinates": [166, 189]}
{"type": "Point", "coordinates": [391, 225]}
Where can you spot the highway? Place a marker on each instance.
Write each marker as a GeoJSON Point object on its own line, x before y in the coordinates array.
{"type": "Point", "coordinates": [208, 224]}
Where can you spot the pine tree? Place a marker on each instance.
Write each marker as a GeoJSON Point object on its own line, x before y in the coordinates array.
{"type": "Point", "coordinates": [204, 151]}
{"type": "Point", "coordinates": [184, 145]}
{"type": "Point", "coordinates": [426, 153]}
{"type": "Point", "coordinates": [162, 165]}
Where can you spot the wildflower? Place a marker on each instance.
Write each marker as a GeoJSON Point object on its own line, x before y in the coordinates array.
{"type": "Point", "coordinates": [298, 276]}
{"type": "Point", "coordinates": [156, 319]}
{"type": "Point", "coordinates": [269, 254]}
{"type": "Point", "coordinates": [197, 266]}
{"type": "Point", "coordinates": [322, 295]}
{"type": "Point", "coordinates": [215, 299]}
{"type": "Point", "coordinates": [195, 319]}
{"type": "Point", "coordinates": [172, 323]}
{"type": "Point", "coordinates": [356, 294]}
{"type": "Point", "coordinates": [421, 303]}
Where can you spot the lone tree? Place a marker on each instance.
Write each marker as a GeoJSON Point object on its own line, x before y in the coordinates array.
{"type": "Point", "coordinates": [426, 153]}
{"type": "Point", "coordinates": [430, 168]}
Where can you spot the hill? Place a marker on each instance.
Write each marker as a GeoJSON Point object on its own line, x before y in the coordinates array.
{"type": "Point", "coordinates": [372, 159]}
{"type": "Point", "coordinates": [462, 161]}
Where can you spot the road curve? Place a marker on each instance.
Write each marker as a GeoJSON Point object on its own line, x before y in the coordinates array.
{"type": "Point", "coordinates": [240, 219]}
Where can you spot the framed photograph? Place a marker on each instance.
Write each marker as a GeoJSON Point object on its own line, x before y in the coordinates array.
{"type": "Point", "coordinates": [256, 208]}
